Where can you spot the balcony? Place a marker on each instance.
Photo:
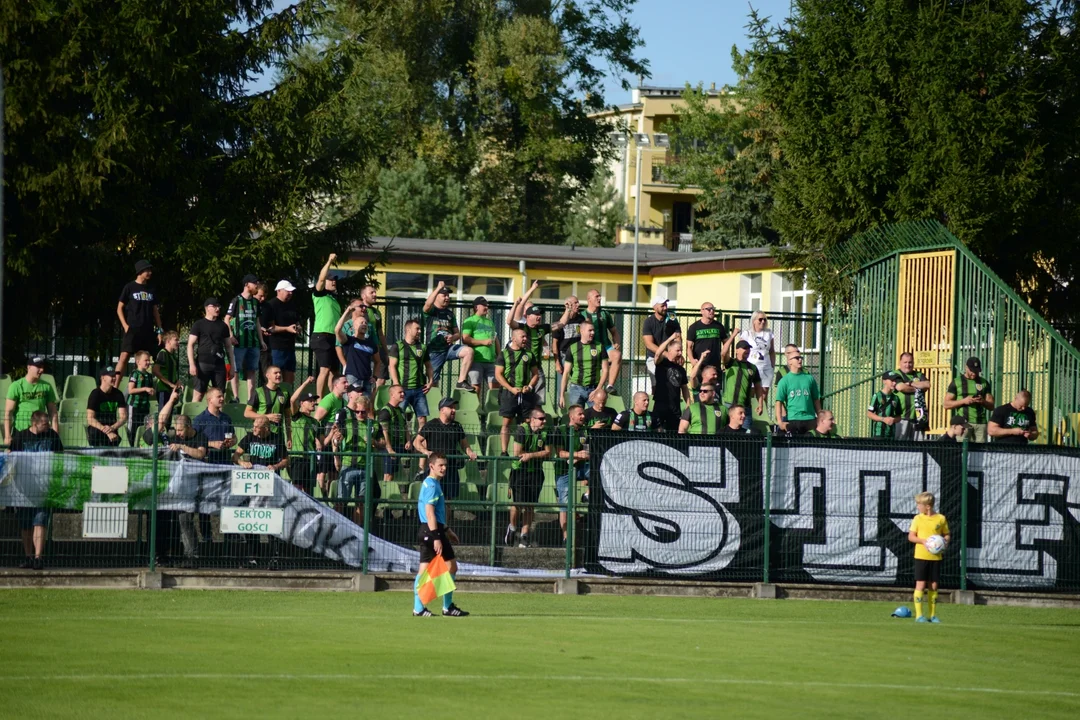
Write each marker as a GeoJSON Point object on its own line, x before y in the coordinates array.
{"type": "Point", "coordinates": [661, 168]}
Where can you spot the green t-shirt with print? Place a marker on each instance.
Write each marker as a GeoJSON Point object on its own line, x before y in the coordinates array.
{"type": "Point", "coordinates": [480, 327]}
{"type": "Point", "coordinates": [29, 398]}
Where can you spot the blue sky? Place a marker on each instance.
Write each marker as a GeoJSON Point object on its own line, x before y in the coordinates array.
{"type": "Point", "coordinates": [685, 40]}
{"type": "Point", "coordinates": [690, 40]}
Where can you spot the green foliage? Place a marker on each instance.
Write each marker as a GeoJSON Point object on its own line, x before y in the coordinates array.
{"type": "Point", "coordinates": [595, 217]}
{"type": "Point", "coordinates": [731, 153]}
{"type": "Point", "coordinates": [964, 112]}
{"type": "Point", "coordinates": [496, 106]}
{"type": "Point", "coordinates": [130, 133]}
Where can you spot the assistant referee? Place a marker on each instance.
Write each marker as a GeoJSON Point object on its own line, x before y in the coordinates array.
{"type": "Point", "coordinates": [434, 536]}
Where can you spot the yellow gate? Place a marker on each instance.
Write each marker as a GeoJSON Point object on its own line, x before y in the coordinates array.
{"type": "Point", "coordinates": [924, 323]}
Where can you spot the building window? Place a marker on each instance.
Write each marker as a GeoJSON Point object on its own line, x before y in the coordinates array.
{"type": "Point", "coordinates": [487, 286]}
{"type": "Point", "coordinates": [668, 290]}
{"type": "Point", "coordinates": [555, 290]}
{"type": "Point", "coordinates": [621, 292]}
{"type": "Point", "coordinates": [407, 282]}
{"type": "Point", "coordinates": [450, 280]}
{"type": "Point", "coordinates": [795, 297]}
{"type": "Point", "coordinates": [750, 292]}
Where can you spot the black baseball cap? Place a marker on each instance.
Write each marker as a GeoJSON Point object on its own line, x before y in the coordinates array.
{"type": "Point", "coordinates": [444, 290]}
{"type": "Point", "coordinates": [534, 310]}
{"type": "Point", "coordinates": [890, 376]}
{"type": "Point", "coordinates": [974, 364]}
{"type": "Point", "coordinates": [142, 266]}
{"type": "Point", "coordinates": [480, 301]}
{"type": "Point", "coordinates": [959, 420]}
{"type": "Point", "coordinates": [355, 388]}
{"type": "Point", "coordinates": [249, 278]}
{"type": "Point", "coordinates": [447, 402]}
{"type": "Point", "coordinates": [309, 396]}
{"type": "Point", "coordinates": [111, 372]}
{"type": "Point", "coordinates": [742, 345]}
{"type": "Point", "coordinates": [211, 301]}
{"type": "Point", "coordinates": [36, 361]}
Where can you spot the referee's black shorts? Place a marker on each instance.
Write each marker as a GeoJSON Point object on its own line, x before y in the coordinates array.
{"type": "Point", "coordinates": [928, 571]}
{"type": "Point", "coordinates": [427, 544]}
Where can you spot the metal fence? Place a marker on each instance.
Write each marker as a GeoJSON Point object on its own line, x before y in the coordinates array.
{"type": "Point", "coordinates": [737, 508]}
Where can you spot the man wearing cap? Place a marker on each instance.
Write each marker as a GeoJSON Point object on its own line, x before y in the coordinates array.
{"type": "Point", "coordinates": [281, 321]}
{"type": "Point", "coordinates": [571, 330]}
{"type": "Point", "coordinates": [798, 399]}
{"type": "Point", "coordinates": [884, 411]}
{"type": "Point", "coordinates": [535, 332]}
{"type": "Point", "coordinates": [139, 316]}
{"type": "Point", "coordinates": [443, 336]}
{"type": "Point", "coordinates": [1014, 422]}
{"type": "Point", "coordinates": [28, 395]}
{"type": "Point", "coordinates": [245, 330]}
{"type": "Point", "coordinates": [658, 327]}
{"type": "Point", "coordinates": [958, 427]}
{"type": "Point", "coordinates": [323, 342]}
{"type": "Point", "coordinates": [106, 412]}
{"type": "Point", "coordinates": [306, 437]}
{"type": "Point", "coordinates": [445, 435]}
{"type": "Point", "coordinates": [708, 334]}
{"type": "Point", "coordinates": [742, 382]}
{"type": "Point", "coordinates": [970, 396]}
{"type": "Point", "coordinates": [211, 335]}
{"type": "Point", "coordinates": [606, 334]}
{"type": "Point", "coordinates": [911, 387]}
{"type": "Point", "coordinates": [478, 332]}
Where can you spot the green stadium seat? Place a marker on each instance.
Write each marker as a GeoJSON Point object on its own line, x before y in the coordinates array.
{"type": "Point", "coordinates": [414, 491]}
{"type": "Point", "coordinates": [390, 491]}
{"type": "Point", "coordinates": [494, 446]}
{"type": "Point", "coordinates": [548, 496]}
{"type": "Point", "coordinates": [74, 411]}
{"type": "Point", "coordinates": [235, 411]}
{"type": "Point", "coordinates": [470, 420]}
{"type": "Point", "coordinates": [5, 383]}
{"type": "Point", "coordinates": [491, 401]}
{"type": "Point", "coordinates": [191, 409]}
{"type": "Point", "coordinates": [469, 492]}
{"type": "Point", "coordinates": [434, 395]}
{"type": "Point", "coordinates": [466, 400]}
{"type": "Point", "coordinates": [79, 387]}
{"type": "Point", "coordinates": [52, 381]}
{"type": "Point", "coordinates": [382, 397]}
{"type": "Point", "coordinates": [616, 403]}
{"type": "Point", "coordinates": [499, 493]}
{"type": "Point", "coordinates": [243, 386]}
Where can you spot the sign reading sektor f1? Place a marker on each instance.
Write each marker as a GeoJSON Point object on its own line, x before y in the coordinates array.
{"type": "Point", "coordinates": [839, 511]}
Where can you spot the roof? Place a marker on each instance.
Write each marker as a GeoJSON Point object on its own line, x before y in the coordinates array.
{"type": "Point", "coordinates": [620, 256]}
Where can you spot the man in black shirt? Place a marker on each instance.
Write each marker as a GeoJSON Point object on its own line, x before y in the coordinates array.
{"type": "Point", "coordinates": [670, 386]}
{"type": "Point", "coordinates": [263, 448]}
{"type": "Point", "coordinates": [658, 327]}
{"type": "Point", "coordinates": [106, 412]}
{"type": "Point", "coordinates": [281, 321]}
{"type": "Point", "coordinates": [958, 427]}
{"type": "Point", "coordinates": [39, 437]}
{"type": "Point", "coordinates": [139, 316]}
{"type": "Point", "coordinates": [599, 416]}
{"type": "Point", "coordinates": [736, 415]}
{"type": "Point", "coordinates": [1014, 422]}
{"type": "Point", "coordinates": [535, 331]}
{"type": "Point", "coordinates": [445, 435]}
{"type": "Point", "coordinates": [211, 335]}
{"type": "Point", "coordinates": [709, 334]}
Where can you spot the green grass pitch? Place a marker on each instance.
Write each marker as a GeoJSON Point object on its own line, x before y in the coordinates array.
{"type": "Point", "coordinates": [122, 654]}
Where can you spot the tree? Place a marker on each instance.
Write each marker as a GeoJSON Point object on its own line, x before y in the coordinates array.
{"type": "Point", "coordinates": [498, 102]}
{"type": "Point", "coordinates": [731, 153]}
{"type": "Point", "coordinates": [963, 112]}
{"type": "Point", "coordinates": [131, 133]}
{"type": "Point", "coordinates": [594, 219]}
{"type": "Point", "coordinates": [413, 204]}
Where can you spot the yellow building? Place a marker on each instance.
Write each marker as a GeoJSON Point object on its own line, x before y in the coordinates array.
{"type": "Point", "coordinates": [667, 212]}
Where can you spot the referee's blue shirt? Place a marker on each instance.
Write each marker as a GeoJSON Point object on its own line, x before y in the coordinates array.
{"type": "Point", "coordinates": [431, 494]}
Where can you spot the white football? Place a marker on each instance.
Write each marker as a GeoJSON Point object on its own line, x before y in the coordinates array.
{"type": "Point", "coordinates": [935, 544]}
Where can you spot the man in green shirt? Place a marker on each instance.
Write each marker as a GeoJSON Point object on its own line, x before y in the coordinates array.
{"type": "Point", "coordinates": [826, 425]}
{"type": "Point", "coordinates": [26, 396]}
{"type": "Point", "coordinates": [443, 336]}
{"type": "Point", "coordinates": [246, 335]}
{"type": "Point", "coordinates": [410, 367]}
{"type": "Point", "coordinates": [970, 396]}
{"type": "Point", "coordinates": [607, 334]}
{"type": "Point", "coordinates": [516, 372]}
{"type": "Point", "coordinates": [531, 448]}
{"type": "Point", "coordinates": [585, 366]}
{"type": "Point", "coordinates": [334, 401]}
{"type": "Point", "coordinates": [798, 400]}
{"type": "Point", "coordinates": [742, 381]}
{"type": "Point", "coordinates": [884, 410]}
{"type": "Point", "coordinates": [704, 417]}
{"type": "Point", "coordinates": [352, 460]}
{"type": "Point", "coordinates": [323, 339]}
{"type": "Point", "coordinates": [911, 387]}
{"type": "Point", "coordinates": [369, 295]}
{"type": "Point", "coordinates": [478, 332]}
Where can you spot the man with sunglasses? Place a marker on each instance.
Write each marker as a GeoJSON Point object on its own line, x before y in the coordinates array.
{"type": "Point", "coordinates": [708, 333]}
{"type": "Point", "coordinates": [798, 400]}
{"type": "Point", "coordinates": [704, 417]}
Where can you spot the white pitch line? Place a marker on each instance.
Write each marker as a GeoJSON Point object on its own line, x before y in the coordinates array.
{"type": "Point", "coordinates": [532, 679]}
{"type": "Point", "coordinates": [532, 618]}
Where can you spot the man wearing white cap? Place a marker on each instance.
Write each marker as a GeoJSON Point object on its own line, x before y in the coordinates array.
{"type": "Point", "coordinates": [281, 320]}
{"type": "Point", "coordinates": [658, 327]}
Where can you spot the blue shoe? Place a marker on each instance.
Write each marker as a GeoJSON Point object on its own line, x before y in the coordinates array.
{"type": "Point", "coordinates": [922, 619]}
{"type": "Point", "coordinates": [935, 619]}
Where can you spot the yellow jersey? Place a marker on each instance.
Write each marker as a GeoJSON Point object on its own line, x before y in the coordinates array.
{"type": "Point", "coordinates": [924, 526]}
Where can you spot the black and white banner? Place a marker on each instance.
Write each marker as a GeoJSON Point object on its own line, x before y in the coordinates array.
{"type": "Point", "coordinates": [839, 511]}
